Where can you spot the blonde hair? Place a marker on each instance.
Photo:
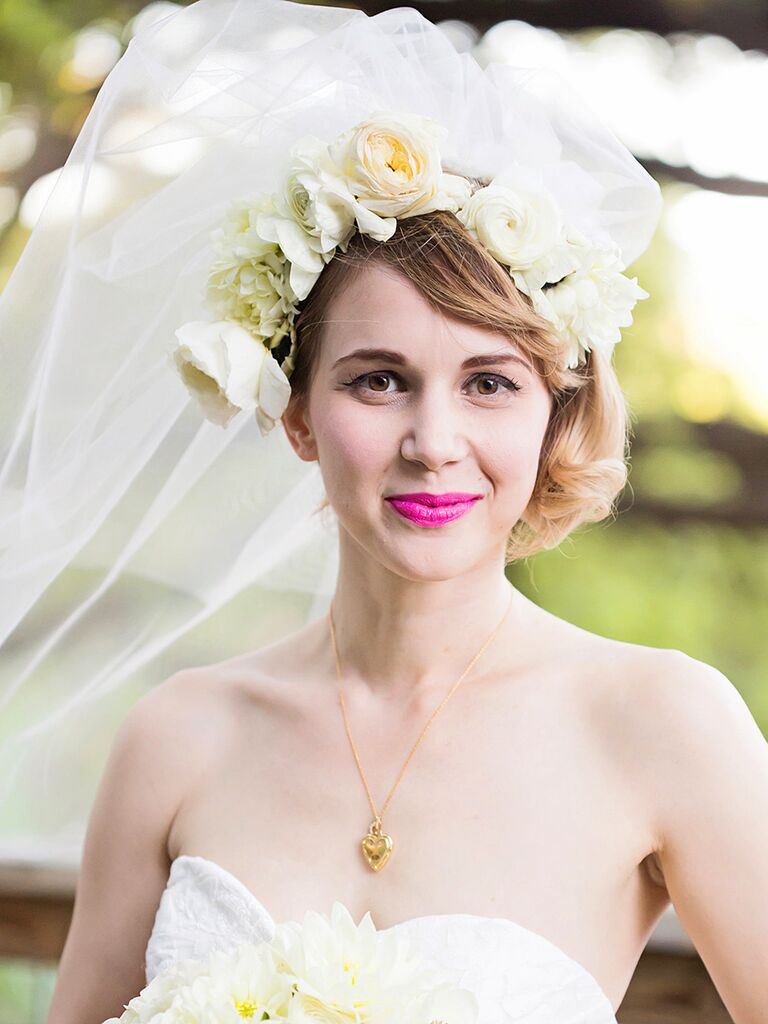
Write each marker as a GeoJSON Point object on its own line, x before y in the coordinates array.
{"type": "Point", "coordinates": [583, 458]}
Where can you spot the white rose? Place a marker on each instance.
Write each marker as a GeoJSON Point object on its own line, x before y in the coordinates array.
{"type": "Point", "coordinates": [391, 164]}
{"type": "Point", "coordinates": [310, 216]}
{"type": "Point", "coordinates": [517, 224]}
{"type": "Point", "coordinates": [248, 279]}
{"type": "Point", "coordinates": [226, 369]}
{"type": "Point", "coordinates": [318, 195]}
{"type": "Point", "coordinates": [589, 306]}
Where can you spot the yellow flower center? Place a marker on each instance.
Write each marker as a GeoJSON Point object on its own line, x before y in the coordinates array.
{"type": "Point", "coordinates": [398, 160]}
{"type": "Point", "coordinates": [351, 967]}
{"type": "Point", "coordinates": [246, 1008]}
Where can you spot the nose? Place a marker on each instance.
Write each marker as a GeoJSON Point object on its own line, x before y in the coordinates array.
{"type": "Point", "coordinates": [435, 431]}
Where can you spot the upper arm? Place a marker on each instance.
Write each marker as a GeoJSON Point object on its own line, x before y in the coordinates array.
{"type": "Point", "coordinates": [124, 866]}
{"type": "Point", "coordinates": [710, 798]}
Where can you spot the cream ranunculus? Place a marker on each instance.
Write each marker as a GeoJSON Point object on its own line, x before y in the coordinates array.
{"type": "Point", "coordinates": [248, 279]}
{"type": "Point", "coordinates": [391, 164]}
{"type": "Point", "coordinates": [226, 369]}
{"type": "Point", "coordinates": [519, 225]}
{"type": "Point", "coordinates": [589, 306]}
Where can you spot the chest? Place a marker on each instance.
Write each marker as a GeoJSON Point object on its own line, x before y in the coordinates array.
{"type": "Point", "coordinates": [508, 808]}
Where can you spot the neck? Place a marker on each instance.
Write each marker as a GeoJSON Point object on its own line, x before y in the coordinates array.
{"type": "Point", "coordinates": [397, 636]}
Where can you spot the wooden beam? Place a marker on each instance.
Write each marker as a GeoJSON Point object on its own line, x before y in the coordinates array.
{"type": "Point", "coordinates": [742, 21]}
{"type": "Point", "coordinates": [730, 185]}
{"type": "Point", "coordinates": [36, 906]}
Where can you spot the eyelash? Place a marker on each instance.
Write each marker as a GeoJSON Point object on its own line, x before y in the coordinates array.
{"type": "Point", "coordinates": [355, 382]}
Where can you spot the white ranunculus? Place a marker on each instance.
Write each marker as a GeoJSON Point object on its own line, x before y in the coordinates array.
{"type": "Point", "coordinates": [518, 224]}
{"type": "Point", "coordinates": [226, 369]}
{"type": "Point", "coordinates": [567, 255]}
{"type": "Point", "coordinates": [391, 164]}
{"type": "Point", "coordinates": [248, 280]}
{"type": "Point", "coordinates": [589, 306]}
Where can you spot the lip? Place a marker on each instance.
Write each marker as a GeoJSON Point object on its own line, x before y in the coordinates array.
{"type": "Point", "coordinates": [435, 500]}
{"type": "Point", "coordinates": [433, 509]}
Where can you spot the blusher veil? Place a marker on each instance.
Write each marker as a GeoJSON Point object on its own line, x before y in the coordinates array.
{"type": "Point", "coordinates": [136, 537]}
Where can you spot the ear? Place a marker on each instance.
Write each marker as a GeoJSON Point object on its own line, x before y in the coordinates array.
{"type": "Point", "coordinates": [298, 428]}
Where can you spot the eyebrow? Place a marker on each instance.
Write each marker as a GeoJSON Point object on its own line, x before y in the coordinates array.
{"type": "Point", "coordinates": [390, 356]}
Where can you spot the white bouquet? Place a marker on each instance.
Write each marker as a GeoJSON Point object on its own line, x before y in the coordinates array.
{"type": "Point", "coordinates": [325, 970]}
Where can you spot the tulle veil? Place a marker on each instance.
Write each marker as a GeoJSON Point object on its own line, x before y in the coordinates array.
{"type": "Point", "coordinates": [136, 537]}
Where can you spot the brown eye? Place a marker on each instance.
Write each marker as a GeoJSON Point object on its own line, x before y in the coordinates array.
{"type": "Point", "coordinates": [489, 380]}
{"type": "Point", "coordinates": [497, 381]}
{"type": "Point", "coordinates": [381, 377]}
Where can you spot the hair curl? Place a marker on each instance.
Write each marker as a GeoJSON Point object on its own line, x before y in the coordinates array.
{"type": "Point", "coordinates": [583, 459]}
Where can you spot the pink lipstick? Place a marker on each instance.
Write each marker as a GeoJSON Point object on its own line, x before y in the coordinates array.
{"type": "Point", "coordinates": [432, 509]}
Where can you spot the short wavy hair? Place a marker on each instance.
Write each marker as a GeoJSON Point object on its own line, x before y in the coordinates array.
{"type": "Point", "coordinates": [583, 462]}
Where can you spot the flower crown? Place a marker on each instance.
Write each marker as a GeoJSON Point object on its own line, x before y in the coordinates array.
{"type": "Point", "coordinates": [272, 248]}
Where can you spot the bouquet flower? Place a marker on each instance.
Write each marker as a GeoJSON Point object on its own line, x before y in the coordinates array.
{"type": "Point", "coordinates": [325, 971]}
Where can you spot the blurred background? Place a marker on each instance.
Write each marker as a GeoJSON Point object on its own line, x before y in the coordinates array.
{"type": "Point", "coordinates": [685, 564]}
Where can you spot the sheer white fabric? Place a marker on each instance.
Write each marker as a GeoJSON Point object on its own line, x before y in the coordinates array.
{"type": "Point", "coordinates": [126, 522]}
{"type": "Point", "coordinates": [517, 975]}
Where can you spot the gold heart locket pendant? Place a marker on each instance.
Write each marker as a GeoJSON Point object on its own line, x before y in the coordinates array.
{"type": "Point", "coordinates": [377, 846]}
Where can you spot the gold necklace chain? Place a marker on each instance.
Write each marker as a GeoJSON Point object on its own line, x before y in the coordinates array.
{"type": "Point", "coordinates": [377, 845]}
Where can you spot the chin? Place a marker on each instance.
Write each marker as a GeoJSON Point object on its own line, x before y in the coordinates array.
{"type": "Point", "coordinates": [430, 558]}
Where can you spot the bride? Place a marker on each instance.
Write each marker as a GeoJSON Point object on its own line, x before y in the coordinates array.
{"type": "Point", "coordinates": [573, 784]}
{"type": "Point", "coordinates": [522, 797]}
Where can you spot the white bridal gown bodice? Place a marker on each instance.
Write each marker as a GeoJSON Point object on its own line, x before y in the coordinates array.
{"type": "Point", "coordinates": [517, 975]}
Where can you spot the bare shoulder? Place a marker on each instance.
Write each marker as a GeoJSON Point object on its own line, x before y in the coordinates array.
{"type": "Point", "coordinates": [665, 697]}
{"type": "Point", "coordinates": [698, 758]}
{"type": "Point", "coordinates": [161, 745]}
{"type": "Point", "coordinates": [181, 706]}
{"type": "Point", "coordinates": [655, 698]}
{"type": "Point", "coordinates": [668, 718]}
{"type": "Point", "coordinates": [178, 728]}
{"type": "Point", "coordinates": [204, 704]}
{"type": "Point", "coordinates": [689, 714]}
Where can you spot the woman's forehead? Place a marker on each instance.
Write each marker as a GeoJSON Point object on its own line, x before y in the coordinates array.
{"type": "Point", "coordinates": [380, 311]}
{"type": "Point", "coordinates": [415, 342]}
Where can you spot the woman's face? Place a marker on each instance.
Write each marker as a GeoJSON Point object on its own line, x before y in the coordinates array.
{"type": "Point", "coordinates": [415, 416]}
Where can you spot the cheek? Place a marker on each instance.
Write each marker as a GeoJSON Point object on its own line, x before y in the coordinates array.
{"type": "Point", "coordinates": [513, 461]}
{"type": "Point", "coordinates": [513, 466]}
{"type": "Point", "coordinates": [346, 451]}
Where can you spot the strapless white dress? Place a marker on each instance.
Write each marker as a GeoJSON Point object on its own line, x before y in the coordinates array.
{"type": "Point", "coordinates": [517, 975]}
